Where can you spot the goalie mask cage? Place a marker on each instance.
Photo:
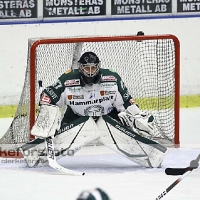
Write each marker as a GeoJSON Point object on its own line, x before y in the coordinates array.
{"type": "Point", "coordinates": [149, 66]}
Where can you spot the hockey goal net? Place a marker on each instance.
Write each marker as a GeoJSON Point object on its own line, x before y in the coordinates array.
{"type": "Point", "coordinates": [149, 66]}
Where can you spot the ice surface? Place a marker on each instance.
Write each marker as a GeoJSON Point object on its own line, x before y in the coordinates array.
{"type": "Point", "coordinates": [119, 177]}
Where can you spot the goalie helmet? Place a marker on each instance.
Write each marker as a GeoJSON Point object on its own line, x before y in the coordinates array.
{"type": "Point", "coordinates": [89, 65]}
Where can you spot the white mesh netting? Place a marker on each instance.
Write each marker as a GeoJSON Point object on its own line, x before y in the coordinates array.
{"type": "Point", "coordinates": [147, 67]}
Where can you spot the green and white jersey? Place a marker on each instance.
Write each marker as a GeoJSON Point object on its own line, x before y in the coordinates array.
{"type": "Point", "coordinates": [95, 100]}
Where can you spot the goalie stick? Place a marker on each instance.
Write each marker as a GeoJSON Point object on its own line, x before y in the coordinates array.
{"type": "Point", "coordinates": [51, 154]}
{"type": "Point", "coordinates": [52, 159]}
{"type": "Point", "coordinates": [179, 171]}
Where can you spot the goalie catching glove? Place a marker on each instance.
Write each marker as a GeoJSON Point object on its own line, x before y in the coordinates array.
{"type": "Point", "coordinates": [47, 122]}
{"type": "Point", "coordinates": [141, 122]}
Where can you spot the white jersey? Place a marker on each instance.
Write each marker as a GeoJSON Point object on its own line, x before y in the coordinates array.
{"type": "Point", "coordinates": [88, 100]}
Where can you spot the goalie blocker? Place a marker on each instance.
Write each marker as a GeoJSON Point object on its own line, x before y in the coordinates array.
{"type": "Point", "coordinates": [72, 137]}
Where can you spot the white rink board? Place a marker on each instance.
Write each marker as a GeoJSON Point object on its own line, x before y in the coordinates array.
{"type": "Point", "coordinates": [14, 42]}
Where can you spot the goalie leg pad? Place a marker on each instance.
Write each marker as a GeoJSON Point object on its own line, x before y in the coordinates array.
{"type": "Point", "coordinates": [128, 143]}
{"type": "Point", "coordinates": [31, 152]}
{"type": "Point", "coordinates": [81, 132]}
{"type": "Point", "coordinates": [68, 140]}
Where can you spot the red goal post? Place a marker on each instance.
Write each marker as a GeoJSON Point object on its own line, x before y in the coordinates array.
{"type": "Point", "coordinates": [149, 66]}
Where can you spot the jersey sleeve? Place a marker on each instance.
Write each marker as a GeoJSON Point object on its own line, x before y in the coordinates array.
{"type": "Point", "coordinates": [53, 94]}
{"type": "Point", "coordinates": [123, 92]}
